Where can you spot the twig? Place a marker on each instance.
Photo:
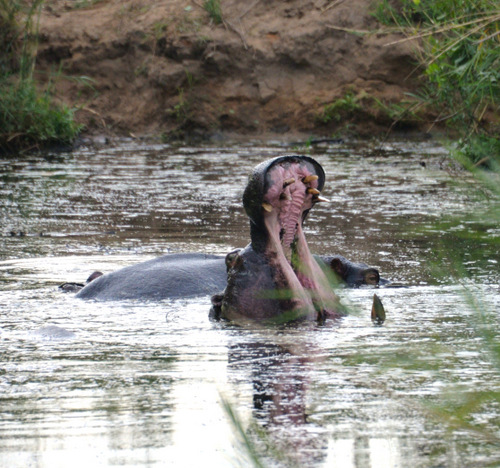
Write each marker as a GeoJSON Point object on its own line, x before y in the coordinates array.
{"type": "Point", "coordinates": [461, 38]}
{"type": "Point", "coordinates": [489, 37]}
{"type": "Point", "coordinates": [352, 31]}
{"type": "Point", "coordinates": [441, 30]}
{"type": "Point", "coordinates": [95, 113]}
{"type": "Point", "coordinates": [333, 4]}
{"type": "Point", "coordinates": [233, 28]}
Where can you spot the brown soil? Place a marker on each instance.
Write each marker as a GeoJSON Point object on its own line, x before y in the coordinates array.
{"type": "Point", "coordinates": [162, 67]}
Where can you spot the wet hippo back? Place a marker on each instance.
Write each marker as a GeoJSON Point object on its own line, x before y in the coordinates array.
{"type": "Point", "coordinates": [167, 277]}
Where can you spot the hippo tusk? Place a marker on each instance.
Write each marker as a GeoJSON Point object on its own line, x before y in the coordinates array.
{"type": "Point", "coordinates": [288, 182]}
{"type": "Point", "coordinates": [320, 199]}
{"type": "Point", "coordinates": [313, 191]}
{"type": "Point", "coordinates": [268, 207]}
{"type": "Point", "coordinates": [309, 178]}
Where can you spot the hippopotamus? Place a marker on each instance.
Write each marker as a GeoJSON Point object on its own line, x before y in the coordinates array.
{"type": "Point", "coordinates": [184, 275]}
{"type": "Point", "coordinates": [275, 278]}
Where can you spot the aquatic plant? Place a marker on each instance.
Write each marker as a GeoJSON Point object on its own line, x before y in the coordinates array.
{"type": "Point", "coordinates": [29, 118]}
{"type": "Point", "coordinates": [457, 44]}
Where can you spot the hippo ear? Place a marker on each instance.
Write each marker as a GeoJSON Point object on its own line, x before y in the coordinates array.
{"type": "Point", "coordinates": [93, 276]}
{"type": "Point", "coordinates": [338, 266]}
{"type": "Point", "coordinates": [371, 276]}
{"type": "Point", "coordinates": [232, 258]}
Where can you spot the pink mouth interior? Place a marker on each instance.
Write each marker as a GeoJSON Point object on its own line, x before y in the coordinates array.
{"type": "Point", "coordinates": [293, 189]}
{"type": "Point", "coordinates": [289, 200]}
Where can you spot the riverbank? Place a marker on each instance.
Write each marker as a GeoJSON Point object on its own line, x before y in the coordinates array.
{"type": "Point", "coordinates": [164, 68]}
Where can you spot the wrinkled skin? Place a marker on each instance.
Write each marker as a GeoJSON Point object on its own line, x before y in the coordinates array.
{"type": "Point", "coordinates": [275, 278]}
{"type": "Point", "coordinates": [186, 275]}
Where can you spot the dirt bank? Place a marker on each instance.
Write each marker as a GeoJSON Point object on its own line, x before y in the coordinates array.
{"type": "Point", "coordinates": [165, 68]}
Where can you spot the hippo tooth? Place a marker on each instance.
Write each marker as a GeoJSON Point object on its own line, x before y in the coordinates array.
{"type": "Point", "coordinates": [285, 196]}
{"type": "Point", "coordinates": [267, 206]}
{"type": "Point", "coordinates": [288, 182]}
{"type": "Point", "coordinates": [310, 178]}
{"type": "Point", "coordinates": [313, 191]}
{"type": "Point", "coordinates": [320, 199]}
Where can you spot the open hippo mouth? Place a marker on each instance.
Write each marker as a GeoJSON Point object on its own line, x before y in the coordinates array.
{"type": "Point", "coordinates": [276, 276]}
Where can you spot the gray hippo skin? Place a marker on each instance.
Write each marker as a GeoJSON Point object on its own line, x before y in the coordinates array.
{"type": "Point", "coordinates": [168, 277]}
{"type": "Point", "coordinates": [175, 276]}
{"type": "Point", "coordinates": [275, 278]}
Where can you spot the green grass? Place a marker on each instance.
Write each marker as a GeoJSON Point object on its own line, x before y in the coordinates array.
{"type": "Point", "coordinates": [29, 117]}
{"type": "Point", "coordinates": [213, 8]}
{"type": "Point", "coordinates": [457, 43]}
{"type": "Point", "coordinates": [337, 109]}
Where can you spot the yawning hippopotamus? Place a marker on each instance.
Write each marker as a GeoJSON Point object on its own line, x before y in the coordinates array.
{"type": "Point", "coordinates": [276, 278]}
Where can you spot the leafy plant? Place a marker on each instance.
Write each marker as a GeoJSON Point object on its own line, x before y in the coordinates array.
{"type": "Point", "coordinates": [336, 109]}
{"type": "Point", "coordinates": [28, 117]}
{"type": "Point", "coordinates": [460, 56]}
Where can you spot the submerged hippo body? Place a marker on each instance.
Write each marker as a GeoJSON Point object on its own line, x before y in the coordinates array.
{"type": "Point", "coordinates": [175, 276]}
{"type": "Point", "coordinates": [168, 277]}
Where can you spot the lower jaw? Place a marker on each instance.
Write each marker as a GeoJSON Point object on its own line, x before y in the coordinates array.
{"type": "Point", "coordinates": [309, 289]}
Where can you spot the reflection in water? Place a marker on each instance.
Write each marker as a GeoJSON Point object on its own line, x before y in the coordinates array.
{"type": "Point", "coordinates": [279, 376]}
{"type": "Point", "coordinates": [140, 384]}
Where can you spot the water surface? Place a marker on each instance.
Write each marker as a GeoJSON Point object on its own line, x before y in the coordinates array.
{"type": "Point", "coordinates": [143, 384]}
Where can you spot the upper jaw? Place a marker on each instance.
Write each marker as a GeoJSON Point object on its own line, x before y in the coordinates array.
{"type": "Point", "coordinates": [292, 191]}
{"type": "Point", "coordinates": [261, 184]}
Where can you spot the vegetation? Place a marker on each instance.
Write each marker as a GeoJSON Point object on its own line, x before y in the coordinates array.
{"type": "Point", "coordinates": [214, 10]}
{"type": "Point", "coordinates": [459, 51]}
{"type": "Point", "coordinates": [28, 117]}
{"type": "Point", "coordinates": [349, 103]}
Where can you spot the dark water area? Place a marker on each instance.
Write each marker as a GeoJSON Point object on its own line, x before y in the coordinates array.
{"type": "Point", "coordinates": [144, 384]}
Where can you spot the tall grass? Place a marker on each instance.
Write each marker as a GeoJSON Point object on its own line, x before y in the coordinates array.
{"type": "Point", "coordinates": [459, 51]}
{"type": "Point", "coordinates": [29, 118]}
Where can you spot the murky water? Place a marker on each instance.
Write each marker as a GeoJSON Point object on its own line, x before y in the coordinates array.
{"type": "Point", "coordinates": [144, 384]}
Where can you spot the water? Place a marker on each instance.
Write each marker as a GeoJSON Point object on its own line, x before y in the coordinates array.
{"type": "Point", "coordinates": [144, 384]}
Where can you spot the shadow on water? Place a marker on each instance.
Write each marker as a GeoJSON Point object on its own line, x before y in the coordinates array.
{"type": "Point", "coordinates": [142, 384]}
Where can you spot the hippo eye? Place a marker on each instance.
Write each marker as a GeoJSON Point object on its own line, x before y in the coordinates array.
{"type": "Point", "coordinates": [371, 277]}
